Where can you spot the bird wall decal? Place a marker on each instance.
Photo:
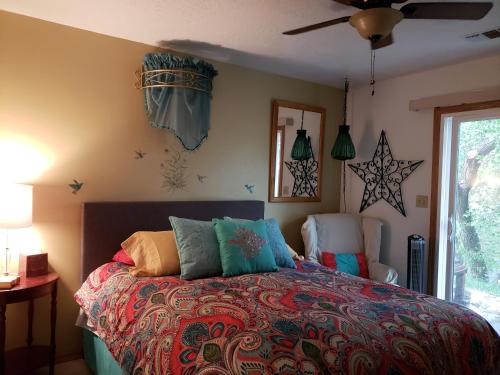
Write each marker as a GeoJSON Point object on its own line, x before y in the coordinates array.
{"type": "Point", "coordinates": [75, 186]}
{"type": "Point", "coordinates": [249, 188]}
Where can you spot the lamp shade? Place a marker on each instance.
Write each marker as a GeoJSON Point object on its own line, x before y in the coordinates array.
{"type": "Point", "coordinates": [16, 205]}
{"type": "Point", "coordinates": [301, 149]}
{"type": "Point", "coordinates": [343, 149]}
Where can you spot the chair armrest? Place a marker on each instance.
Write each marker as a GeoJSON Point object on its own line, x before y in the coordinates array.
{"type": "Point", "coordinates": [382, 273]}
{"type": "Point", "coordinates": [310, 238]}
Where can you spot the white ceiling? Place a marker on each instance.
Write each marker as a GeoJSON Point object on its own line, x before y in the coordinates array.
{"type": "Point", "coordinates": [248, 33]}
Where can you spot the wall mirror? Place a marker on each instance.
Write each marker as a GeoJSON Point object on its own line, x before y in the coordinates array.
{"type": "Point", "coordinates": [296, 152]}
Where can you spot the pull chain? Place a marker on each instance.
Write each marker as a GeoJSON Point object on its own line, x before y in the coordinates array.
{"type": "Point", "coordinates": [372, 71]}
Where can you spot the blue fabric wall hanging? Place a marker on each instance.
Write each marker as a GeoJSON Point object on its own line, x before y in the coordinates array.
{"type": "Point", "coordinates": [177, 94]}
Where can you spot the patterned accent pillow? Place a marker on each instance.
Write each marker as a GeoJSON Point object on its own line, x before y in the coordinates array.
{"type": "Point", "coordinates": [354, 264]}
{"type": "Point", "coordinates": [244, 247]}
{"type": "Point", "coordinates": [198, 248]}
{"type": "Point", "coordinates": [276, 241]}
{"type": "Point", "coordinates": [122, 257]}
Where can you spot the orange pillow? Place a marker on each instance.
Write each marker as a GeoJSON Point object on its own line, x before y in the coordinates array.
{"type": "Point", "coordinates": [153, 253]}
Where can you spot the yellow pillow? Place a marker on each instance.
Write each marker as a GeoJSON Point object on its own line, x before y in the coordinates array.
{"type": "Point", "coordinates": [154, 253]}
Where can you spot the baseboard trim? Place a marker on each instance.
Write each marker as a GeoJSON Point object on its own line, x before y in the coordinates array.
{"type": "Point", "coordinates": [68, 357]}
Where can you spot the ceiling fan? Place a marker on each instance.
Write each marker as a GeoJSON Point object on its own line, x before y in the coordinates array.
{"type": "Point", "coordinates": [376, 19]}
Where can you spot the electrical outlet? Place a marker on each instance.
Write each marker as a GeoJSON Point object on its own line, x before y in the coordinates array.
{"type": "Point", "coordinates": [422, 201]}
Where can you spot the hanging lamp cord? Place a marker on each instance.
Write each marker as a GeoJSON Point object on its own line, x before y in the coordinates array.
{"type": "Point", "coordinates": [343, 186]}
{"type": "Point", "coordinates": [346, 90]}
{"type": "Point", "coordinates": [372, 71]}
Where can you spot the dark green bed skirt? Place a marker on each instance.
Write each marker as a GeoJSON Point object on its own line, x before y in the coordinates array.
{"type": "Point", "coordinates": [97, 356]}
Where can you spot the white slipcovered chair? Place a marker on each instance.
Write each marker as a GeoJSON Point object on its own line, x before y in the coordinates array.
{"type": "Point", "coordinates": [347, 233]}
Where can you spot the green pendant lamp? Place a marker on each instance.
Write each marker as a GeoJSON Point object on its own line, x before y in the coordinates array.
{"type": "Point", "coordinates": [301, 149]}
{"type": "Point", "coordinates": [343, 149]}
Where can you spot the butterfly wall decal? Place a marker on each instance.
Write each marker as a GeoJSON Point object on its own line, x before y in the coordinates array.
{"type": "Point", "coordinates": [139, 154]}
{"type": "Point", "coordinates": [201, 178]}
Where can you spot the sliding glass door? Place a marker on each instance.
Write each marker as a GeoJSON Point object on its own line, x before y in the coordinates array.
{"type": "Point", "coordinates": [469, 212]}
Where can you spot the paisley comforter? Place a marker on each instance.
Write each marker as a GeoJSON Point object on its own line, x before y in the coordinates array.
{"type": "Point", "coordinates": [311, 320]}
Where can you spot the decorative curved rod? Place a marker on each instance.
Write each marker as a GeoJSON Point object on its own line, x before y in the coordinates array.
{"type": "Point", "coordinates": [178, 78]}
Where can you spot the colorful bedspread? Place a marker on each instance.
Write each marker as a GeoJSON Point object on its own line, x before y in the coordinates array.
{"type": "Point", "coordinates": [311, 320]}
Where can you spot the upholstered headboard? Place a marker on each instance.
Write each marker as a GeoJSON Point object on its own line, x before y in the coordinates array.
{"type": "Point", "coordinates": [105, 225]}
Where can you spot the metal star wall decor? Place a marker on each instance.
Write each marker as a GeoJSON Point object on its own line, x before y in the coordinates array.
{"type": "Point", "coordinates": [305, 177]}
{"type": "Point", "coordinates": [383, 176]}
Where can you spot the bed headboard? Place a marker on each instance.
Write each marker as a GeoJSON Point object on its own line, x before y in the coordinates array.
{"type": "Point", "coordinates": [105, 225]}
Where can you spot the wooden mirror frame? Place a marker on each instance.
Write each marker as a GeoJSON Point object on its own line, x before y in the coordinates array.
{"type": "Point", "coordinates": [276, 104]}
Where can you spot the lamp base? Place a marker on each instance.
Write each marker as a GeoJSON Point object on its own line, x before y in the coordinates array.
{"type": "Point", "coordinates": [6, 265]}
{"type": "Point", "coordinates": [8, 281]}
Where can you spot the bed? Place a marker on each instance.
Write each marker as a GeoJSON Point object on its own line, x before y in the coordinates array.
{"type": "Point", "coordinates": [308, 320]}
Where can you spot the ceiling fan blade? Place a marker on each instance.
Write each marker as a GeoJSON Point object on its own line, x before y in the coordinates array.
{"type": "Point", "coordinates": [384, 42]}
{"type": "Point", "coordinates": [317, 26]}
{"type": "Point", "coordinates": [369, 4]}
{"type": "Point", "coordinates": [360, 4]}
{"type": "Point", "coordinates": [446, 11]}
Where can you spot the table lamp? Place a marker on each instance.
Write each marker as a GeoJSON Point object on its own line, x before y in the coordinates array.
{"type": "Point", "coordinates": [16, 207]}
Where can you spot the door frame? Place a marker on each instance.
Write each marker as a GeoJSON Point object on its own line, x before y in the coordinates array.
{"type": "Point", "coordinates": [436, 160]}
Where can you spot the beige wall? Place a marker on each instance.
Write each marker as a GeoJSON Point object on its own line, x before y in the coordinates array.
{"type": "Point", "coordinates": [69, 110]}
{"type": "Point", "coordinates": [410, 138]}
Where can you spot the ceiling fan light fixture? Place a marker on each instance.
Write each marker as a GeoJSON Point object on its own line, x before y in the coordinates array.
{"type": "Point", "coordinates": [376, 23]}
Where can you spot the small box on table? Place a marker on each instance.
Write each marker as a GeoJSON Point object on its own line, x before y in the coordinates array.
{"type": "Point", "coordinates": [33, 265]}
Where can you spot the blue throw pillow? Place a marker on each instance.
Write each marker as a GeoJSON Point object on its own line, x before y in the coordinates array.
{"type": "Point", "coordinates": [276, 241]}
{"type": "Point", "coordinates": [198, 248]}
{"type": "Point", "coordinates": [244, 247]}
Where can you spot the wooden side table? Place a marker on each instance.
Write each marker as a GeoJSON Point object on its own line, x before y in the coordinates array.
{"type": "Point", "coordinates": [24, 360]}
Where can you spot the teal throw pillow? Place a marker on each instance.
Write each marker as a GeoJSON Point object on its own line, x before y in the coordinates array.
{"type": "Point", "coordinates": [244, 247]}
{"type": "Point", "coordinates": [276, 241]}
{"type": "Point", "coordinates": [198, 248]}
{"type": "Point", "coordinates": [355, 264]}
